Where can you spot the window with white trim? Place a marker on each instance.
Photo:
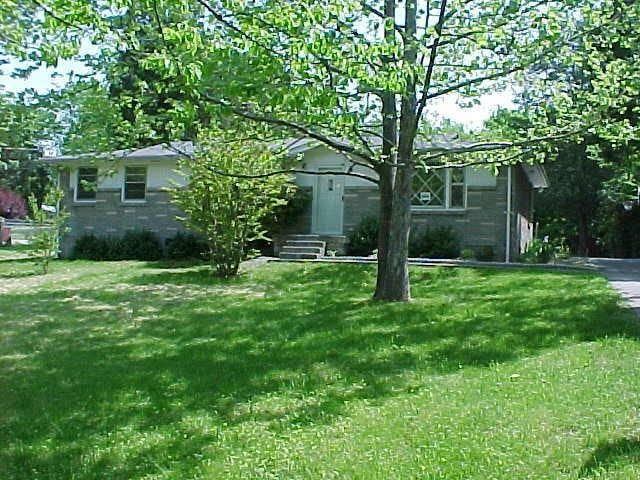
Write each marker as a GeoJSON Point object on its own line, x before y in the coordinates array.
{"type": "Point", "coordinates": [439, 189]}
{"type": "Point", "coordinates": [86, 184]}
{"type": "Point", "coordinates": [135, 184]}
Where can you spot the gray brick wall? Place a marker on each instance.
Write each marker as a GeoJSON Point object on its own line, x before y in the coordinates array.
{"type": "Point", "coordinates": [110, 216]}
{"type": "Point", "coordinates": [522, 213]}
{"type": "Point", "coordinates": [359, 203]}
{"type": "Point", "coordinates": [482, 223]}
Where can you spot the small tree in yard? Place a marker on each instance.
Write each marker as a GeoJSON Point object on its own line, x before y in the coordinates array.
{"type": "Point", "coordinates": [228, 210]}
{"type": "Point", "coordinates": [49, 222]}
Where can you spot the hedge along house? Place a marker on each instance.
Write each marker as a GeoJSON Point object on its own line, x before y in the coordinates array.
{"type": "Point", "coordinates": [486, 211]}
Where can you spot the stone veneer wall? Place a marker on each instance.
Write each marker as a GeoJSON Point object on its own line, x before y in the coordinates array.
{"type": "Point", "coordinates": [108, 215]}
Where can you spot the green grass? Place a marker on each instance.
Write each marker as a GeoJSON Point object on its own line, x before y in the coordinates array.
{"type": "Point", "coordinates": [14, 251]}
{"type": "Point", "coordinates": [130, 370]}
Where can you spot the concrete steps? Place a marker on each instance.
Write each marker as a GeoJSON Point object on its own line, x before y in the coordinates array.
{"type": "Point", "coordinates": [302, 247]}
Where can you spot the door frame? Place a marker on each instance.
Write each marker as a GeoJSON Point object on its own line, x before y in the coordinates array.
{"type": "Point", "coordinates": [316, 204]}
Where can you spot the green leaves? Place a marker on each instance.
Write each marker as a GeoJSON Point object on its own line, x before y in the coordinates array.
{"type": "Point", "coordinates": [230, 192]}
{"type": "Point", "coordinates": [49, 226]}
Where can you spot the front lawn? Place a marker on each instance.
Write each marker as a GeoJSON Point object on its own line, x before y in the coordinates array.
{"type": "Point", "coordinates": [130, 370]}
{"type": "Point", "coordinates": [14, 251]}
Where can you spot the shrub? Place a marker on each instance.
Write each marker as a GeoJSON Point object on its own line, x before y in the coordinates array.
{"type": "Point", "coordinates": [140, 245]}
{"type": "Point", "coordinates": [186, 246]}
{"type": "Point", "coordinates": [485, 253]}
{"type": "Point", "coordinates": [439, 242]}
{"type": "Point", "coordinates": [364, 239]}
{"type": "Point", "coordinates": [45, 241]}
{"type": "Point", "coordinates": [86, 247]}
{"type": "Point", "coordinates": [137, 245]}
{"type": "Point", "coordinates": [91, 247]}
{"type": "Point", "coordinates": [224, 200]}
{"type": "Point", "coordinates": [286, 216]}
{"type": "Point", "coordinates": [538, 252]}
{"type": "Point", "coordinates": [467, 254]}
{"type": "Point", "coordinates": [12, 205]}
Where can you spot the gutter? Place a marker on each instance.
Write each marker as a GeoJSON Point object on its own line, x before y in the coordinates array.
{"type": "Point", "coordinates": [507, 256]}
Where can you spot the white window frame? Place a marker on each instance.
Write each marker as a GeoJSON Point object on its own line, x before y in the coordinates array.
{"type": "Point", "coordinates": [76, 187]}
{"type": "Point", "coordinates": [124, 184]}
{"type": "Point", "coordinates": [447, 194]}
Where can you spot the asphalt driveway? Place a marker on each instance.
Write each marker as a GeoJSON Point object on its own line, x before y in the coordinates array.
{"type": "Point", "coordinates": [624, 275]}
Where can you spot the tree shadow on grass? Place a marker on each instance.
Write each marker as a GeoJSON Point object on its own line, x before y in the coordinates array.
{"type": "Point", "coordinates": [18, 268]}
{"type": "Point", "coordinates": [286, 345]}
{"type": "Point", "coordinates": [609, 454]}
{"type": "Point", "coordinates": [15, 274]}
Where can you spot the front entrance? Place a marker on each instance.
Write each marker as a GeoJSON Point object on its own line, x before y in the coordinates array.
{"type": "Point", "coordinates": [327, 204]}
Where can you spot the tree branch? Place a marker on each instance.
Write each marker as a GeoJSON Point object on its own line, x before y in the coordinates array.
{"type": "Point", "coordinates": [473, 81]}
{"type": "Point", "coordinates": [475, 163]}
{"type": "Point", "coordinates": [159, 22]}
{"type": "Point", "coordinates": [301, 129]}
{"type": "Point", "coordinates": [494, 146]}
{"type": "Point", "coordinates": [56, 17]}
{"type": "Point", "coordinates": [218, 16]}
{"type": "Point", "coordinates": [365, 6]}
{"type": "Point", "coordinates": [284, 171]}
{"type": "Point", "coordinates": [432, 62]}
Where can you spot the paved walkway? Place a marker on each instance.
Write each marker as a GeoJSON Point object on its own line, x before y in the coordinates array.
{"type": "Point", "coordinates": [624, 275]}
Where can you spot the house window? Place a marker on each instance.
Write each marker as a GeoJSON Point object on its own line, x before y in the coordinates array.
{"type": "Point", "coordinates": [87, 184]}
{"type": "Point", "coordinates": [456, 180]}
{"type": "Point", "coordinates": [439, 189]}
{"type": "Point", "coordinates": [135, 184]}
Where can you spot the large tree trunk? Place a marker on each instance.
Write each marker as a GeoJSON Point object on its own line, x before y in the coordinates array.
{"type": "Point", "coordinates": [384, 224]}
{"type": "Point", "coordinates": [396, 178]}
{"type": "Point", "coordinates": [583, 234]}
{"type": "Point", "coordinates": [386, 174]}
{"type": "Point", "coordinates": [395, 215]}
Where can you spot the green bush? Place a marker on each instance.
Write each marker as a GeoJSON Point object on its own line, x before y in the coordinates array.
{"type": "Point", "coordinates": [364, 239]}
{"type": "Point", "coordinates": [91, 247]}
{"type": "Point", "coordinates": [485, 253]}
{"type": "Point", "coordinates": [438, 242]}
{"type": "Point", "coordinates": [186, 246]}
{"type": "Point", "coordinates": [538, 252]}
{"type": "Point", "coordinates": [136, 245]}
{"type": "Point", "coordinates": [467, 254]}
{"type": "Point", "coordinates": [140, 245]}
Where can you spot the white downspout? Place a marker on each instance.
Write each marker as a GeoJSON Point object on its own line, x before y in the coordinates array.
{"type": "Point", "coordinates": [507, 257]}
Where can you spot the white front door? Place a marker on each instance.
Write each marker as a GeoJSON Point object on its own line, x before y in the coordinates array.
{"type": "Point", "coordinates": [327, 204]}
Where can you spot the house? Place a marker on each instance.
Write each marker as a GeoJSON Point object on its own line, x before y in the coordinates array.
{"type": "Point", "coordinates": [484, 209]}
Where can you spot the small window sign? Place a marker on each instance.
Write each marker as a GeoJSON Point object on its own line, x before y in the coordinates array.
{"type": "Point", "coordinates": [49, 208]}
{"type": "Point", "coordinates": [425, 197]}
